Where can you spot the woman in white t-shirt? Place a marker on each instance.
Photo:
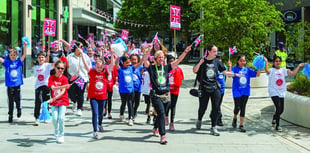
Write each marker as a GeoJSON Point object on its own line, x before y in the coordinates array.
{"type": "Point", "coordinates": [277, 87]}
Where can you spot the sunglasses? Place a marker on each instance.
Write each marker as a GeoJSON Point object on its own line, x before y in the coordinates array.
{"type": "Point", "coordinates": [60, 68]}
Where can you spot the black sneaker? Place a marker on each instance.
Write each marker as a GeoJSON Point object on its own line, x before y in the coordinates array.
{"type": "Point", "coordinates": [234, 123]}
{"type": "Point", "coordinates": [242, 129]}
{"type": "Point", "coordinates": [19, 113]}
{"type": "Point", "coordinates": [148, 120]}
{"type": "Point", "coordinates": [109, 117]}
{"type": "Point", "coordinates": [220, 123]}
{"type": "Point", "coordinates": [10, 119]}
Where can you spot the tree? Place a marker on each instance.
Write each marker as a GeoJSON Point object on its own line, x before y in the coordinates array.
{"type": "Point", "coordinates": [298, 39]}
{"type": "Point", "coordinates": [155, 13]}
{"type": "Point", "coordinates": [243, 23]}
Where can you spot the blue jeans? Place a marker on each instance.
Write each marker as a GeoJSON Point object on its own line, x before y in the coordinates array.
{"type": "Point", "coordinates": [160, 120]}
{"type": "Point", "coordinates": [97, 107]}
{"type": "Point", "coordinates": [58, 119]}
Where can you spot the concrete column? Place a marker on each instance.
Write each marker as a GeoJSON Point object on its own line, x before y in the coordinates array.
{"type": "Point", "coordinates": [59, 19]}
{"type": "Point", "coordinates": [70, 22]}
{"type": "Point", "coordinates": [27, 32]}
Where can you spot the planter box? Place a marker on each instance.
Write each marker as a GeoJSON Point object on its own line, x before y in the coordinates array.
{"type": "Point", "coordinates": [259, 82]}
{"type": "Point", "coordinates": [297, 109]}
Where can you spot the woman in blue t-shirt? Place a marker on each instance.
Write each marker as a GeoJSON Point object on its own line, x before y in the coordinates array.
{"type": "Point", "coordinates": [126, 84]}
{"type": "Point", "coordinates": [241, 89]}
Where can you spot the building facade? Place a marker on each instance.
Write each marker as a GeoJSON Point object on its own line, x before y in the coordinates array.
{"type": "Point", "coordinates": [20, 18]}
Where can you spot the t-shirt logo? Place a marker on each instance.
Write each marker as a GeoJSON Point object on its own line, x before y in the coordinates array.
{"type": "Point", "coordinates": [221, 76]}
{"type": "Point", "coordinates": [127, 79]}
{"type": "Point", "coordinates": [163, 81]}
{"type": "Point", "coordinates": [134, 77]}
{"type": "Point", "coordinates": [99, 85]}
{"type": "Point", "coordinates": [40, 77]}
{"type": "Point", "coordinates": [171, 80]}
{"type": "Point", "coordinates": [210, 73]}
{"type": "Point", "coordinates": [13, 73]}
{"type": "Point", "coordinates": [279, 82]}
{"type": "Point", "coordinates": [243, 80]}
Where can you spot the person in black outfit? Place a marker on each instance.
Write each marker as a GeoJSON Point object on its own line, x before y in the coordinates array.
{"type": "Point", "coordinates": [207, 70]}
{"type": "Point", "coordinates": [160, 88]}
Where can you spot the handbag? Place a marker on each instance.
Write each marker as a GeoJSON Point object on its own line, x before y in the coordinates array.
{"type": "Point", "coordinates": [195, 92]}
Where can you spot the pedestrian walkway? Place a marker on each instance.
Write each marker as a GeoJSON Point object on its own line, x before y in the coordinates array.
{"type": "Point", "coordinates": [22, 136]}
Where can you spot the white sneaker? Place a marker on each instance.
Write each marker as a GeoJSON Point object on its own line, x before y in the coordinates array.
{"type": "Point", "coordinates": [79, 112]}
{"type": "Point", "coordinates": [130, 123]}
{"type": "Point", "coordinates": [74, 107]}
{"type": "Point", "coordinates": [214, 131]}
{"type": "Point", "coordinates": [36, 123]}
{"type": "Point", "coordinates": [95, 135]}
{"type": "Point", "coordinates": [60, 139]}
{"type": "Point", "coordinates": [56, 133]}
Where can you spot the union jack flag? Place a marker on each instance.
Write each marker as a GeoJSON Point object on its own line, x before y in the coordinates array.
{"type": "Point", "coordinates": [49, 27]}
{"type": "Point", "coordinates": [197, 41]}
{"type": "Point", "coordinates": [155, 40]}
{"type": "Point", "coordinates": [232, 50]}
{"type": "Point", "coordinates": [80, 83]}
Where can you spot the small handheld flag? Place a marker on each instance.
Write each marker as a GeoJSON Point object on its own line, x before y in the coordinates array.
{"type": "Point", "coordinates": [232, 50]}
{"type": "Point", "coordinates": [80, 83]}
{"type": "Point", "coordinates": [197, 41]}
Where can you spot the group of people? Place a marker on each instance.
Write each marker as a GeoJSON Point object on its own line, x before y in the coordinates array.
{"type": "Point", "coordinates": [63, 74]}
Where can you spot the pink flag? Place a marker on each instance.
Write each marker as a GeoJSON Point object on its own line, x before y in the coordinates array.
{"type": "Point", "coordinates": [175, 17]}
{"type": "Point", "coordinates": [49, 27]}
{"type": "Point", "coordinates": [124, 34]}
{"type": "Point", "coordinates": [155, 39]}
{"type": "Point", "coordinates": [232, 50]}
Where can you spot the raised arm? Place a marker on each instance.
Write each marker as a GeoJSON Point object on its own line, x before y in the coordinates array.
{"type": "Point", "coordinates": [112, 61]}
{"type": "Point", "coordinates": [117, 62]}
{"type": "Point", "coordinates": [266, 66]}
{"type": "Point", "coordinates": [67, 45]}
{"type": "Point", "coordinates": [296, 70]}
{"type": "Point", "coordinates": [196, 67]}
{"type": "Point", "coordinates": [84, 61]}
{"type": "Point", "coordinates": [144, 57]}
{"type": "Point", "coordinates": [181, 57]}
{"type": "Point", "coordinates": [25, 52]}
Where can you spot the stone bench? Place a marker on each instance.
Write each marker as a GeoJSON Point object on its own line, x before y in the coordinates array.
{"type": "Point", "coordinates": [297, 109]}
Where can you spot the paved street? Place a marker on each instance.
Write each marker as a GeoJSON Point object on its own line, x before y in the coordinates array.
{"type": "Point", "coordinates": [22, 136]}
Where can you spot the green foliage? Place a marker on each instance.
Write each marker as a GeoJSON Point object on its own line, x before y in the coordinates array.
{"type": "Point", "coordinates": [300, 84]}
{"type": "Point", "coordinates": [243, 23]}
{"type": "Point", "coordinates": [298, 38]}
{"type": "Point", "coordinates": [153, 12]}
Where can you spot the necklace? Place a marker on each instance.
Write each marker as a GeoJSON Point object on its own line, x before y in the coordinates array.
{"type": "Point", "coordinates": [160, 76]}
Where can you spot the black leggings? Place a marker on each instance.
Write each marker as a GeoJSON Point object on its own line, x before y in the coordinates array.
{"type": "Point", "coordinates": [171, 105]}
{"type": "Point", "coordinates": [109, 102]}
{"type": "Point", "coordinates": [136, 102]}
{"type": "Point", "coordinates": [76, 94]}
{"type": "Point", "coordinates": [126, 98]}
{"type": "Point", "coordinates": [14, 96]}
{"type": "Point", "coordinates": [147, 100]}
{"type": "Point", "coordinates": [203, 104]}
{"type": "Point", "coordinates": [41, 94]}
{"type": "Point", "coordinates": [240, 105]}
{"type": "Point", "coordinates": [279, 105]}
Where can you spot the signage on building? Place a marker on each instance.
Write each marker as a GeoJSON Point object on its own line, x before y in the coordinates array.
{"type": "Point", "coordinates": [175, 17]}
{"type": "Point", "coordinates": [90, 36]}
{"type": "Point", "coordinates": [292, 16]}
{"type": "Point", "coordinates": [124, 34]}
{"type": "Point", "coordinates": [49, 27]}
